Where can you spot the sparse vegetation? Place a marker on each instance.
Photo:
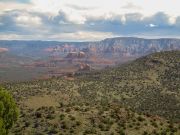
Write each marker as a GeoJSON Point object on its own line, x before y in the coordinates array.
{"type": "Point", "coordinates": [138, 98]}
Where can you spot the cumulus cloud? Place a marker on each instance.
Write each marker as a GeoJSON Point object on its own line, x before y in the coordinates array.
{"type": "Point", "coordinates": [86, 20]}
{"type": "Point", "coordinates": [28, 20]}
{"type": "Point", "coordinates": [19, 22]}
{"type": "Point", "coordinates": [130, 5]}
{"type": "Point", "coordinates": [76, 7]}
{"type": "Point", "coordinates": [152, 25]}
{"type": "Point", "coordinates": [81, 36]}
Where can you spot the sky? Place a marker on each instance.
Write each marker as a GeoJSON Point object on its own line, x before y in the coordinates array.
{"type": "Point", "coordinates": [88, 20]}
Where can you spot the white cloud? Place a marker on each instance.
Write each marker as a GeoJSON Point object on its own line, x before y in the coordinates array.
{"type": "Point", "coordinates": [77, 10]}
{"type": "Point", "coordinates": [9, 36]}
{"type": "Point", "coordinates": [88, 19]}
{"type": "Point", "coordinates": [81, 36]}
{"type": "Point", "coordinates": [130, 5]}
{"type": "Point", "coordinates": [172, 20]}
{"type": "Point", "coordinates": [75, 18]}
{"type": "Point", "coordinates": [96, 7]}
{"type": "Point", "coordinates": [106, 6]}
{"type": "Point", "coordinates": [75, 36]}
{"type": "Point", "coordinates": [123, 19]}
{"type": "Point", "coordinates": [8, 6]}
{"type": "Point", "coordinates": [152, 25]}
{"type": "Point", "coordinates": [28, 20]}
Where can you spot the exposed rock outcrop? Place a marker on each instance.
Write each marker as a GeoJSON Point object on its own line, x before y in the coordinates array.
{"type": "Point", "coordinates": [3, 50]}
{"type": "Point", "coordinates": [84, 67]}
{"type": "Point", "coordinates": [76, 55]}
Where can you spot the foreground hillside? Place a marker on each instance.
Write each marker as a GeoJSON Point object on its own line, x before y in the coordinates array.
{"type": "Point", "coordinates": [142, 97]}
{"type": "Point", "coordinates": [150, 84]}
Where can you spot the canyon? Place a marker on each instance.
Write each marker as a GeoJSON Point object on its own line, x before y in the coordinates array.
{"type": "Point", "coordinates": [27, 60]}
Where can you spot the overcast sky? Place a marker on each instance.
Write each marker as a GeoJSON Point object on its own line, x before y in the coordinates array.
{"type": "Point", "coordinates": [81, 20]}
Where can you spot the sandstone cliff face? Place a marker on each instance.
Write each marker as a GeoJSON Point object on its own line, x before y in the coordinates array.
{"type": "Point", "coordinates": [121, 46]}
{"type": "Point", "coordinates": [135, 46]}
{"type": "Point", "coordinates": [108, 52]}
{"type": "Point", "coordinates": [74, 55]}
{"type": "Point", "coordinates": [66, 48]}
{"type": "Point", "coordinates": [84, 67]}
{"type": "Point", "coordinates": [3, 50]}
{"type": "Point", "coordinates": [63, 57]}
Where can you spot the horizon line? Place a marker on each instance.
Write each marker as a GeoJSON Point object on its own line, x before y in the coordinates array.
{"type": "Point", "coordinates": [79, 41]}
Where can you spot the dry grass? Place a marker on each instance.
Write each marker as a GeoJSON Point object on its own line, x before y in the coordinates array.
{"type": "Point", "coordinates": [40, 101]}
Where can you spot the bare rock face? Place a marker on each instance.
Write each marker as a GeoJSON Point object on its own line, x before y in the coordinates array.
{"type": "Point", "coordinates": [81, 54]}
{"type": "Point", "coordinates": [3, 50]}
{"type": "Point", "coordinates": [84, 67]}
{"type": "Point", "coordinates": [76, 55]}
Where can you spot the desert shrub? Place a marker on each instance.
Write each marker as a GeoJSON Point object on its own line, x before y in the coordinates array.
{"type": "Point", "coordinates": [27, 124]}
{"type": "Point", "coordinates": [130, 126]}
{"type": "Point", "coordinates": [50, 116]}
{"type": "Point", "coordinates": [73, 118]}
{"type": "Point", "coordinates": [90, 131]}
{"type": "Point", "coordinates": [121, 132]}
{"type": "Point", "coordinates": [61, 104]}
{"type": "Point", "coordinates": [53, 130]}
{"type": "Point", "coordinates": [145, 133]}
{"type": "Point", "coordinates": [38, 114]}
{"type": "Point", "coordinates": [140, 118]}
{"type": "Point", "coordinates": [64, 125]}
{"type": "Point", "coordinates": [68, 110]}
{"type": "Point", "coordinates": [78, 123]}
{"type": "Point", "coordinates": [163, 133]}
{"type": "Point", "coordinates": [154, 124]}
{"type": "Point", "coordinates": [8, 111]}
{"type": "Point", "coordinates": [62, 116]}
{"type": "Point", "coordinates": [51, 109]}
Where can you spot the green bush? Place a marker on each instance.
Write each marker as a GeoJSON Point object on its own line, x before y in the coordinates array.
{"type": "Point", "coordinates": [8, 112]}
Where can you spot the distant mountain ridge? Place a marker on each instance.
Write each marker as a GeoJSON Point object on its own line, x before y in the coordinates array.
{"type": "Point", "coordinates": [45, 59]}
{"type": "Point", "coordinates": [119, 46]}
